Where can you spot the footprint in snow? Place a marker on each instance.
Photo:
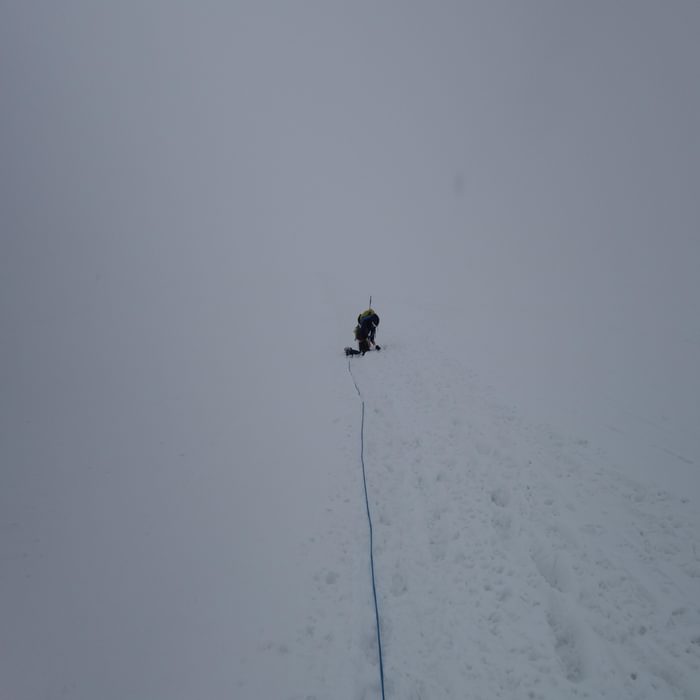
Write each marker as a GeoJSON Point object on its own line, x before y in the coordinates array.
{"type": "Point", "coordinates": [500, 496]}
{"type": "Point", "coordinates": [554, 567]}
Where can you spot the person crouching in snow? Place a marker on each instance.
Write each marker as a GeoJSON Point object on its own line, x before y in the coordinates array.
{"type": "Point", "coordinates": [365, 331]}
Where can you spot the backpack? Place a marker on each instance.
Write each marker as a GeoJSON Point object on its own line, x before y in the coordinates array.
{"type": "Point", "coordinates": [367, 322]}
{"type": "Point", "coordinates": [364, 314]}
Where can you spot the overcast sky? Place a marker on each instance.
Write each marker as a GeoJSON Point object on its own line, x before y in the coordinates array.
{"type": "Point", "coordinates": [533, 165]}
{"type": "Point", "coordinates": [189, 188]}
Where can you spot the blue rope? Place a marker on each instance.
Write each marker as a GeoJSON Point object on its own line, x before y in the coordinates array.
{"type": "Point", "coordinates": [371, 538]}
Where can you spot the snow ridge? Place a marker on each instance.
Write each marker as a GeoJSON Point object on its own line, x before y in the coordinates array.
{"type": "Point", "coordinates": [371, 531]}
{"type": "Point", "coordinates": [516, 562]}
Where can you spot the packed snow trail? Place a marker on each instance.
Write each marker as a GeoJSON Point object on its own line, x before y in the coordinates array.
{"type": "Point", "coordinates": [369, 521]}
{"type": "Point", "coordinates": [513, 563]}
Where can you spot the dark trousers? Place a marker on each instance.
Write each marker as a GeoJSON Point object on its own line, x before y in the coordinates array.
{"type": "Point", "coordinates": [362, 344]}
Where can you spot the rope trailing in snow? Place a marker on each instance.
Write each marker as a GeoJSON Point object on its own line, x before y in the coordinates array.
{"type": "Point", "coordinates": [371, 539]}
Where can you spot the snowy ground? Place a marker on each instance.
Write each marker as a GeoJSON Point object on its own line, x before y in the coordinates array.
{"type": "Point", "coordinates": [512, 561]}
{"type": "Point", "coordinates": [173, 551]}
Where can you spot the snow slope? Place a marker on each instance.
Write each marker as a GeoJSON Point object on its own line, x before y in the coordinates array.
{"type": "Point", "coordinates": [512, 561]}
{"type": "Point", "coordinates": [197, 200]}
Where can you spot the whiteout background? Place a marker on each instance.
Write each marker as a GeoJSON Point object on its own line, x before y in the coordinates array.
{"type": "Point", "coordinates": [197, 202]}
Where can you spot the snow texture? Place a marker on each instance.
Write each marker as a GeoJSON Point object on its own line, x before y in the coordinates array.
{"type": "Point", "coordinates": [512, 561]}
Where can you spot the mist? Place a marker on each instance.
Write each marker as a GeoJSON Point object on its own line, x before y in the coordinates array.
{"type": "Point", "coordinates": [197, 202]}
